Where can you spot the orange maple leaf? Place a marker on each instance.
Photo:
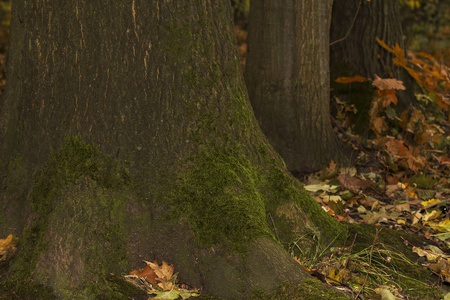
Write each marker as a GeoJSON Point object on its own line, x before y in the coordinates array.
{"type": "Point", "coordinates": [389, 96]}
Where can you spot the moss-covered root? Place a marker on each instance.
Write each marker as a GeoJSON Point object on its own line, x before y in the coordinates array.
{"type": "Point", "coordinates": [308, 289]}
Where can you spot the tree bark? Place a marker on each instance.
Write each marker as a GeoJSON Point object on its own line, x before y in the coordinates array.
{"type": "Point", "coordinates": [358, 53]}
{"type": "Point", "coordinates": [126, 134]}
{"type": "Point", "coordinates": [287, 75]}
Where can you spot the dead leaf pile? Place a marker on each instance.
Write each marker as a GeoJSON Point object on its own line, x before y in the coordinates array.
{"type": "Point", "coordinates": [160, 282]}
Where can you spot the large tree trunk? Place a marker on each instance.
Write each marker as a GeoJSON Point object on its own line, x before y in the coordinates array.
{"type": "Point", "coordinates": [126, 134]}
{"type": "Point", "coordinates": [287, 75]}
{"type": "Point", "coordinates": [354, 50]}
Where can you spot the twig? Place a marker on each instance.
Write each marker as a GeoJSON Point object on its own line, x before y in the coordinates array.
{"type": "Point", "coordinates": [351, 26]}
{"type": "Point", "coordinates": [370, 262]}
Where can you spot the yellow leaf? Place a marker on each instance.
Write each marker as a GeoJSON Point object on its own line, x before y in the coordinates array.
{"type": "Point", "coordinates": [10, 242]}
{"type": "Point", "coordinates": [444, 225]}
{"type": "Point", "coordinates": [431, 216]}
{"type": "Point", "coordinates": [385, 294]}
{"type": "Point", "coordinates": [431, 256]}
{"type": "Point", "coordinates": [429, 202]}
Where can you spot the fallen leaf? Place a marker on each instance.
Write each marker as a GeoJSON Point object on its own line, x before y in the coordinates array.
{"type": "Point", "coordinates": [345, 80]}
{"type": "Point", "coordinates": [403, 207]}
{"type": "Point", "coordinates": [442, 269]}
{"type": "Point", "coordinates": [147, 273]}
{"type": "Point", "coordinates": [353, 184]}
{"type": "Point", "coordinates": [172, 294]}
{"type": "Point", "coordinates": [388, 84]}
{"type": "Point", "coordinates": [397, 147]}
{"type": "Point", "coordinates": [431, 215]}
{"type": "Point", "coordinates": [431, 256]}
{"type": "Point", "coordinates": [164, 273]}
{"type": "Point", "coordinates": [430, 202]}
{"type": "Point", "coordinates": [385, 294]}
{"type": "Point", "coordinates": [8, 246]}
{"type": "Point", "coordinates": [332, 198]}
{"type": "Point", "coordinates": [321, 187]}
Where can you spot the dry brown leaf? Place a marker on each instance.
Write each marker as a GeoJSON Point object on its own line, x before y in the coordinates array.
{"type": "Point", "coordinates": [443, 160]}
{"type": "Point", "coordinates": [403, 207]}
{"type": "Point", "coordinates": [442, 269]}
{"type": "Point", "coordinates": [147, 273]}
{"type": "Point", "coordinates": [397, 147]}
{"type": "Point", "coordinates": [416, 163]}
{"type": "Point", "coordinates": [353, 184]}
{"type": "Point", "coordinates": [388, 84]}
{"type": "Point", "coordinates": [164, 272]}
{"type": "Point", "coordinates": [391, 189]}
{"type": "Point", "coordinates": [331, 167]}
{"type": "Point", "coordinates": [379, 125]}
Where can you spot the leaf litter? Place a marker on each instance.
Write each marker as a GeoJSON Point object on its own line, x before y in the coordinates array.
{"type": "Point", "coordinates": [400, 181]}
{"type": "Point", "coordinates": [160, 282]}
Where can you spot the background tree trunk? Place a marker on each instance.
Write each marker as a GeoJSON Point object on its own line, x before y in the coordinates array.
{"type": "Point", "coordinates": [287, 75]}
{"type": "Point", "coordinates": [126, 134]}
{"type": "Point", "coordinates": [359, 53]}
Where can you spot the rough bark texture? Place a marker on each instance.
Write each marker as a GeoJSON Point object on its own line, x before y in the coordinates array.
{"type": "Point", "coordinates": [359, 53]}
{"type": "Point", "coordinates": [287, 75]}
{"type": "Point", "coordinates": [126, 134]}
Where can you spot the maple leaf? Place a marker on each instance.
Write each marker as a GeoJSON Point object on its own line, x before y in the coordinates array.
{"type": "Point", "coordinates": [332, 166]}
{"type": "Point", "coordinates": [164, 274]}
{"type": "Point", "coordinates": [388, 84]}
{"type": "Point", "coordinates": [147, 273]}
{"type": "Point", "coordinates": [389, 96]}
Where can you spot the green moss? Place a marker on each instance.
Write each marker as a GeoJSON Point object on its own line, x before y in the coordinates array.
{"type": "Point", "coordinates": [289, 203]}
{"type": "Point", "coordinates": [219, 195]}
{"type": "Point", "coordinates": [228, 200]}
{"type": "Point", "coordinates": [25, 289]}
{"type": "Point", "coordinates": [310, 289]}
{"type": "Point", "coordinates": [80, 224]}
